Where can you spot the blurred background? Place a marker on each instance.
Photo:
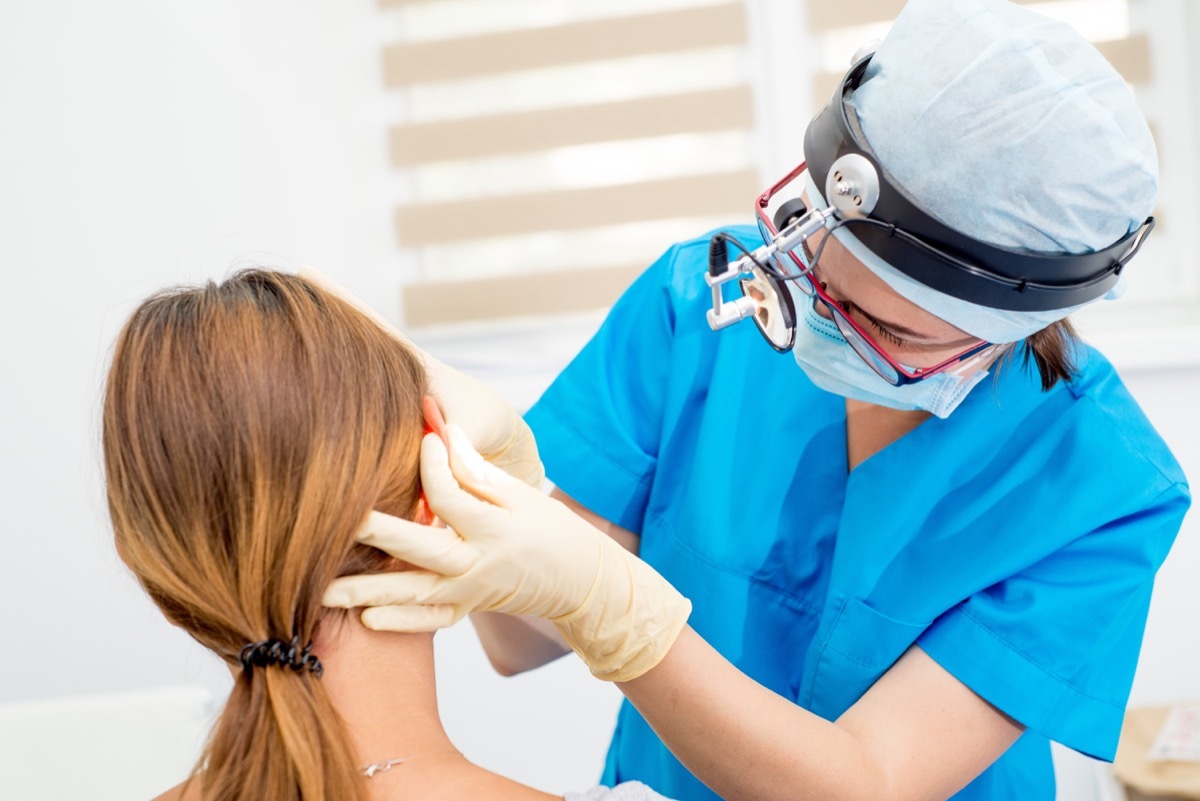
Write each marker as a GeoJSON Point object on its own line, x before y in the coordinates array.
{"type": "Point", "coordinates": [487, 173]}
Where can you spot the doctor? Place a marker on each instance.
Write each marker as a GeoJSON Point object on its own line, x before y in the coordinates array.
{"type": "Point", "coordinates": [901, 557]}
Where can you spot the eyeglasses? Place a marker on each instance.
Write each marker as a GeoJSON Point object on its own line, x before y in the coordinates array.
{"type": "Point", "coordinates": [776, 208]}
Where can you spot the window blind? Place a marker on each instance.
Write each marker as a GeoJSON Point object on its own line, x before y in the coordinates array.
{"type": "Point", "coordinates": [545, 152]}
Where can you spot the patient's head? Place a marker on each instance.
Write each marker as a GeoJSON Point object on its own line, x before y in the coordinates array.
{"type": "Point", "coordinates": [249, 427]}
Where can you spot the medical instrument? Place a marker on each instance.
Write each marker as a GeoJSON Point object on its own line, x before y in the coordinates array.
{"type": "Point", "coordinates": [864, 198]}
{"type": "Point", "coordinates": [802, 278]}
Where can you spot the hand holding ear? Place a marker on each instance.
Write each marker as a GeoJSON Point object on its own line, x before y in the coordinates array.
{"type": "Point", "coordinates": [513, 549]}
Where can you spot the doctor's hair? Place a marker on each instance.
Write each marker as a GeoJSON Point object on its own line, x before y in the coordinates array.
{"type": "Point", "coordinates": [1052, 352]}
{"type": "Point", "coordinates": [249, 427]}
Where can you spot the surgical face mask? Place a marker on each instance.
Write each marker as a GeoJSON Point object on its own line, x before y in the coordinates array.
{"type": "Point", "coordinates": [830, 363]}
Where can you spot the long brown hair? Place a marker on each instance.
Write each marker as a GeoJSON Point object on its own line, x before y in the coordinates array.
{"type": "Point", "coordinates": [249, 427]}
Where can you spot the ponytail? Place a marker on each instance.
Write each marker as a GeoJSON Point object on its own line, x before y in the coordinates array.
{"type": "Point", "coordinates": [279, 737]}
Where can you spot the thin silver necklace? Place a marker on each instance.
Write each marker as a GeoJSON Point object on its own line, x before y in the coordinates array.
{"type": "Point", "coordinates": [380, 767]}
{"type": "Point", "coordinates": [383, 767]}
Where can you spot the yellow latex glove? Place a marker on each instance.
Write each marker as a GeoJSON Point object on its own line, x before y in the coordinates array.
{"type": "Point", "coordinates": [493, 426]}
{"type": "Point", "coordinates": [519, 551]}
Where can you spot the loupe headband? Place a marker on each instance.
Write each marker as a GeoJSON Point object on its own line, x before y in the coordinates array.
{"type": "Point", "coordinates": [917, 244]}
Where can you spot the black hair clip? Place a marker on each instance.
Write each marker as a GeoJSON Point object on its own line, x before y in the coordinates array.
{"type": "Point", "coordinates": [278, 652]}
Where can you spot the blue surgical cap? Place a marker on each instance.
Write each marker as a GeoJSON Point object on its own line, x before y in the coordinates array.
{"type": "Point", "coordinates": [1011, 128]}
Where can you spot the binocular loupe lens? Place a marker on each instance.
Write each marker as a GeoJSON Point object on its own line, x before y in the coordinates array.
{"type": "Point", "coordinates": [774, 313]}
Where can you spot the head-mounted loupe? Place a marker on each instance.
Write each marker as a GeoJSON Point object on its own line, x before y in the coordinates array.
{"type": "Point", "coordinates": [863, 197]}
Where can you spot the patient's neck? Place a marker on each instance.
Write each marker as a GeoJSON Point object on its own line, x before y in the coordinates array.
{"type": "Point", "coordinates": [383, 686]}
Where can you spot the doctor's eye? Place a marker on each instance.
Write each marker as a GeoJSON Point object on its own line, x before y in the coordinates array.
{"type": "Point", "coordinates": [886, 334]}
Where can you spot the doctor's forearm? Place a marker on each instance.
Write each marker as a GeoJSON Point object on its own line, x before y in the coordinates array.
{"type": "Point", "coordinates": [515, 644]}
{"type": "Point", "coordinates": [918, 734]}
{"type": "Point", "coordinates": [744, 741]}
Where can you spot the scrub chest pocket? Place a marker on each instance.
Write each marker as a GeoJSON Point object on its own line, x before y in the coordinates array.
{"type": "Point", "coordinates": [860, 646]}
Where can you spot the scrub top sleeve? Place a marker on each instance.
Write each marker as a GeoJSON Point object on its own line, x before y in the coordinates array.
{"type": "Point", "coordinates": [598, 426]}
{"type": "Point", "coordinates": [1055, 646]}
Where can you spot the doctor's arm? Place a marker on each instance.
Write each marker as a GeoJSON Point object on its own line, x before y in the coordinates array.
{"type": "Point", "coordinates": [517, 643]}
{"type": "Point", "coordinates": [918, 733]}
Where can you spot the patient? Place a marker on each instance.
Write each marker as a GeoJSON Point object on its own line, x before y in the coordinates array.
{"type": "Point", "coordinates": [249, 428]}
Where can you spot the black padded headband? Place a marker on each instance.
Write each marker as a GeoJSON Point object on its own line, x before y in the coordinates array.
{"type": "Point", "coordinates": [949, 261]}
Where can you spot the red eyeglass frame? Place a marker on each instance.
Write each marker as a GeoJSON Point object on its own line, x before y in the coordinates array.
{"type": "Point", "coordinates": [903, 375]}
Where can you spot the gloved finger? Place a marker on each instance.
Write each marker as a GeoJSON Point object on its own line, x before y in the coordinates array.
{"type": "Point", "coordinates": [467, 512]}
{"type": "Point", "coordinates": [384, 589]}
{"type": "Point", "coordinates": [411, 618]}
{"type": "Point", "coordinates": [430, 547]}
{"type": "Point", "coordinates": [483, 479]}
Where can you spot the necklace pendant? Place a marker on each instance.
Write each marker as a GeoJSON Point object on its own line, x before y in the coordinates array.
{"type": "Point", "coordinates": [379, 767]}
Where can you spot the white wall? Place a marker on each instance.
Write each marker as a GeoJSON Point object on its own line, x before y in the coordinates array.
{"type": "Point", "coordinates": [143, 144]}
{"type": "Point", "coordinates": [1171, 649]}
{"type": "Point", "coordinates": [148, 142]}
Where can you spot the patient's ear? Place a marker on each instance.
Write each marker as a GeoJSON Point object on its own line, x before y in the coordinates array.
{"type": "Point", "coordinates": [425, 515]}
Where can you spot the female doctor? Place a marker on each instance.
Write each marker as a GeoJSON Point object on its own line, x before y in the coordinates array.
{"type": "Point", "coordinates": [904, 579]}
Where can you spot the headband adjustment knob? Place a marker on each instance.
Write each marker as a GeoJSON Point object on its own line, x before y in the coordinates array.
{"type": "Point", "coordinates": [852, 185]}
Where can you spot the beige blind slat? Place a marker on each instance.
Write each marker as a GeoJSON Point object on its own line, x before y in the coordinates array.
{"type": "Point", "coordinates": [470, 57]}
{"type": "Point", "coordinates": [479, 137]}
{"type": "Point", "coordinates": [1130, 57]}
{"type": "Point", "coordinates": [826, 16]}
{"type": "Point", "coordinates": [516, 295]}
{"type": "Point", "coordinates": [573, 209]}
{"type": "Point", "coordinates": [823, 86]}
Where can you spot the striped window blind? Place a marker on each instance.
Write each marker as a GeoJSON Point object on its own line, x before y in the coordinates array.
{"type": "Point", "coordinates": [844, 24]}
{"type": "Point", "coordinates": [544, 151]}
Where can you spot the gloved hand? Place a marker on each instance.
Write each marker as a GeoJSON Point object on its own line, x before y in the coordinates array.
{"type": "Point", "coordinates": [491, 423]}
{"type": "Point", "coordinates": [517, 551]}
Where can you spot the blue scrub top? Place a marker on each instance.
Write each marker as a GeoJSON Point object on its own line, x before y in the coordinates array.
{"type": "Point", "coordinates": [1015, 542]}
